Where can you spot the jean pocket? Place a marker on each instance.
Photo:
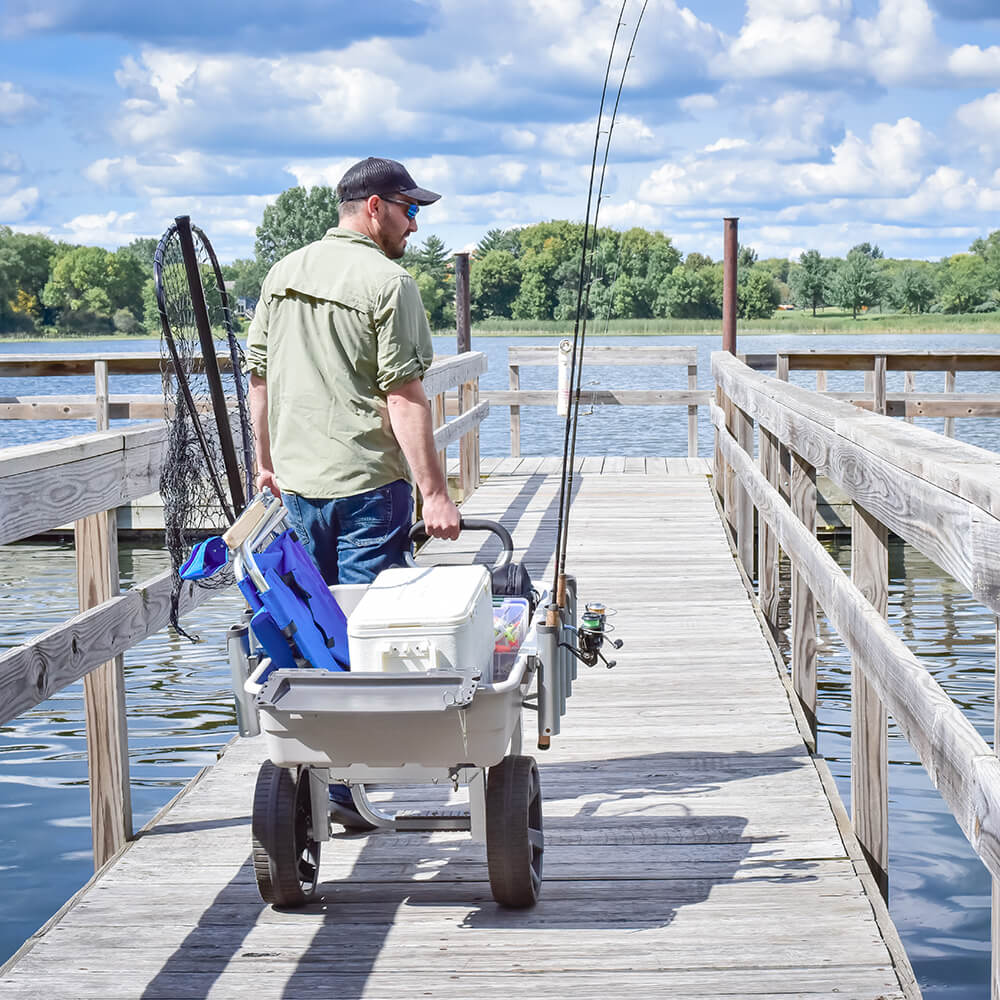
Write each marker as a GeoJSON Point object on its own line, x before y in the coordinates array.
{"type": "Point", "coordinates": [369, 512]}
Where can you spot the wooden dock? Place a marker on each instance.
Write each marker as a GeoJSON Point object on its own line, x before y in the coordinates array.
{"type": "Point", "coordinates": [694, 846]}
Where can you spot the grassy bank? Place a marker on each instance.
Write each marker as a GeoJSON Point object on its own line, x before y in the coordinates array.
{"type": "Point", "coordinates": [790, 322]}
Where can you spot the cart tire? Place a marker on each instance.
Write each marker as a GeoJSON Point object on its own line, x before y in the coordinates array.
{"type": "Point", "coordinates": [285, 855]}
{"type": "Point", "coordinates": [514, 838]}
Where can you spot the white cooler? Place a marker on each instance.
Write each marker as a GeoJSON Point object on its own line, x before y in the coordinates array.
{"type": "Point", "coordinates": [423, 618]}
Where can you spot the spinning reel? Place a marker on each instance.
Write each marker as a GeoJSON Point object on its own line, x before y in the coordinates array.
{"type": "Point", "coordinates": [591, 635]}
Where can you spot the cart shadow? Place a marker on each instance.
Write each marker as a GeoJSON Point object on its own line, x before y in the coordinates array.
{"type": "Point", "coordinates": [626, 850]}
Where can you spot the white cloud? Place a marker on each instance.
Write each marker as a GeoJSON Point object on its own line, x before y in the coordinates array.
{"type": "Point", "coordinates": [17, 203]}
{"type": "Point", "coordinates": [890, 162]}
{"type": "Point", "coordinates": [631, 137]}
{"type": "Point", "coordinates": [725, 144]}
{"type": "Point", "coordinates": [696, 103]}
{"type": "Point", "coordinates": [15, 103]}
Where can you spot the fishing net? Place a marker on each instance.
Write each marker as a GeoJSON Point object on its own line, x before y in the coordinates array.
{"type": "Point", "coordinates": [207, 469]}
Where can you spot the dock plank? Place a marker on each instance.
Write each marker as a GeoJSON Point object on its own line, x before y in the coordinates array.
{"type": "Point", "coordinates": [689, 840]}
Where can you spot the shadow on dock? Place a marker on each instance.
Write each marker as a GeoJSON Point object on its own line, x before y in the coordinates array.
{"type": "Point", "coordinates": [625, 851]}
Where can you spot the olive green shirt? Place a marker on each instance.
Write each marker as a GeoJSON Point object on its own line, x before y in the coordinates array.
{"type": "Point", "coordinates": [338, 325]}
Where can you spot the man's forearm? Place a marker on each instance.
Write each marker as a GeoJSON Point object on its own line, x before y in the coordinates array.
{"type": "Point", "coordinates": [410, 418]}
{"type": "Point", "coordinates": [261, 434]}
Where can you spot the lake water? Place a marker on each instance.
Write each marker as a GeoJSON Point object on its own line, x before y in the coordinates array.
{"type": "Point", "coordinates": [179, 702]}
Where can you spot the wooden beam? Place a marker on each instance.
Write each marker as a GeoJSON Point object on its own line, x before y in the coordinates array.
{"type": "Point", "coordinates": [514, 372]}
{"type": "Point", "coordinates": [802, 499]}
{"type": "Point", "coordinates": [601, 397]}
{"type": "Point", "coordinates": [596, 356]}
{"type": "Point", "coordinates": [767, 547]}
{"type": "Point", "coordinates": [35, 671]}
{"type": "Point", "coordinates": [869, 725]}
{"type": "Point", "coordinates": [744, 504]}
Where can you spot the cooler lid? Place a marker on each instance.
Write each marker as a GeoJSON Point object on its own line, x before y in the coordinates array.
{"type": "Point", "coordinates": [418, 597]}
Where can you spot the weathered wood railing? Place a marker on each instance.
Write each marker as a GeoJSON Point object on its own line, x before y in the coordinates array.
{"type": "Point", "coordinates": [939, 495]}
{"type": "Point", "coordinates": [516, 397]}
{"type": "Point", "coordinates": [875, 365]}
{"type": "Point", "coordinates": [82, 480]}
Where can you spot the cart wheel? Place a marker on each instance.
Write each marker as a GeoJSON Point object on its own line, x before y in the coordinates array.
{"type": "Point", "coordinates": [285, 855]}
{"type": "Point", "coordinates": [514, 837]}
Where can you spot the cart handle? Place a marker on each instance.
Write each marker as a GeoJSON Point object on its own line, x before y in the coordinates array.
{"type": "Point", "coordinates": [418, 531]}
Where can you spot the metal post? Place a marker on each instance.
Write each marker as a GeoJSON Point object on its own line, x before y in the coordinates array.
{"type": "Point", "coordinates": [463, 323]}
{"type": "Point", "coordinates": [731, 247]}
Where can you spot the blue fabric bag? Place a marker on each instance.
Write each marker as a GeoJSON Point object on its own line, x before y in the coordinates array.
{"type": "Point", "coordinates": [297, 620]}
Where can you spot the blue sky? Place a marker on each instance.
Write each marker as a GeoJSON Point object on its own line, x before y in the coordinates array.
{"type": "Point", "coordinates": [821, 123]}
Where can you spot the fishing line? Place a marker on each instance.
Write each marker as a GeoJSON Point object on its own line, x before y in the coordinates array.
{"type": "Point", "coordinates": [582, 306]}
{"type": "Point", "coordinates": [558, 596]}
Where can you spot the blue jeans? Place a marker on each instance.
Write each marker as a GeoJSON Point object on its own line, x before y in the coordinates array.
{"type": "Point", "coordinates": [354, 538]}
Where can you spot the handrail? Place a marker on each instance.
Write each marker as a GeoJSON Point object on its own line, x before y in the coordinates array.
{"type": "Point", "coordinates": [82, 479]}
{"type": "Point", "coordinates": [939, 495]}
{"type": "Point", "coordinates": [643, 356]}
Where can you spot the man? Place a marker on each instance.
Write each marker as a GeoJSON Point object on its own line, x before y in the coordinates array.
{"type": "Point", "coordinates": [336, 350]}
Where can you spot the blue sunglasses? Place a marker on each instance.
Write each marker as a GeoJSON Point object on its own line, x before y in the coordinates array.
{"type": "Point", "coordinates": [411, 209]}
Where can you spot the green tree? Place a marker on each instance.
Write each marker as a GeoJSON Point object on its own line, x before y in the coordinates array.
{"type": "Point", "coordinates": [808, 280]}
{"type": "Point", "coordinates": [647, 261]}
{"type": "Point", "coordinates": [857, 283]}
{"type": "Point", "coordinates": [93, 281]}
{"type": "Point", "coordinates": [690, 293]}
{"type": "Point", "coordinates": [965, 282]}
{"type": "Point", "coordinates": [746, 257]}
{"type": "Point", "coordinates": [988, 250]}
{"type": "Point", "coordinates": [869, 250]}
{"type": "Point", "coordinates": [143, 249]}
{"type": "Point", "coordinates": [695, 261]}
{"type": "Point", "coordinates": [913, 289]}
{"type": "Point", "coordinates": [296, 218]}
{"type": "Point", "coordinates": [757, 294]}
{"type": "Point", "coordinates": [247, 275]}
{"type": "Point", "coordinates": [430, 265]}
{"type": "Point", "coordinates": [494, 283]}
{"type": "Point", "coordinates": [508, 240]}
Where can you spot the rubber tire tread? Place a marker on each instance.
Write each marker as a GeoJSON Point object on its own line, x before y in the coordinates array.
{"type": "Point", "coordinates": [275, 859]}
{"type": "Point", "coordinates": [508, 850]}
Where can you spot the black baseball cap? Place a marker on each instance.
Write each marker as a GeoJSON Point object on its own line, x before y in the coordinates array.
{"type": "Point", "coordinates": [376, 175]}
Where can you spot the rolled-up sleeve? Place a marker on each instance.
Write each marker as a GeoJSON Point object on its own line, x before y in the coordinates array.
{"type": "Point", "coordinates": [256, 356]}
{"type": "Point", "coordinates": [405, 348]}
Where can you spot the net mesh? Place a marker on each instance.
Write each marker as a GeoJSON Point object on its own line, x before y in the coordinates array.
{"type": "Point", "coordinates": [193, 484]}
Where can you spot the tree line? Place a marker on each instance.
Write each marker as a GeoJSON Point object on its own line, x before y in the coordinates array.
{"type": "Point", "coordinates": [528, 273]}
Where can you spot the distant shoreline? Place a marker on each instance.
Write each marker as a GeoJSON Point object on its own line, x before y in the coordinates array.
{"type": "Point", "coordinates": [863, 329]}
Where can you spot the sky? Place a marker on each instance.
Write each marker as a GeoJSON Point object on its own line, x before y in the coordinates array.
{"type": "Point", "coordinates": [820, 123]}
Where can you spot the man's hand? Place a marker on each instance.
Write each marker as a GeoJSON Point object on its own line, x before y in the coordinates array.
{"type": "Point", "coordinates": [441, 517]}
{"type": "Point", "coordinates": [266, 479]}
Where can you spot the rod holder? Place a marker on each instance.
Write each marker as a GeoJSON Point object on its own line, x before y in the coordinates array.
{"type": "Point", "coordinates": [238, 648]}
{"type": "Point", "coordinates": [548, 684]}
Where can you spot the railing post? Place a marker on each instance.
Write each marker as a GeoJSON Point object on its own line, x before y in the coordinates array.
{"type": "Point", "coordinates": [767, 543]}
{"type": "Point", "coordinates": [909, 386]}
{"type": "Point", "coordinates": [718, 459]}
{"type": "Point", "coordinates": [744, 505]}
{"type": "Point", "coordinates": [468, 465]}
{"type": "Point", "coordinates": [96, 542]}
{"type": "Point", "coordinates": [463, 325]}
{"type": "Point", "coordinates": [802, 498]}
{"type": "Point", "coordinates": [949, 422]}
{"type": "Point", "coordinates": [515, 412]}
{"type": "Point", "coordinates": [879, 404]}
{"type": "Point", "coordinates": [869, 732]}
{"type": "Point", "coordinates": [693, 414]}
{"type": "Point", "coordinates": [728, 476]}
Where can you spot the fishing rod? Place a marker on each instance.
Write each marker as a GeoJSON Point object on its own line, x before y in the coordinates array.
{"type": "Point", "coordinates": [559, 583]}
{"type": "Point", "coordinates": [580, 324]}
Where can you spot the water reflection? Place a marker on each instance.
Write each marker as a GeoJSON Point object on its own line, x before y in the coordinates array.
{"type": "Point", "coordinates": [180, 713]}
